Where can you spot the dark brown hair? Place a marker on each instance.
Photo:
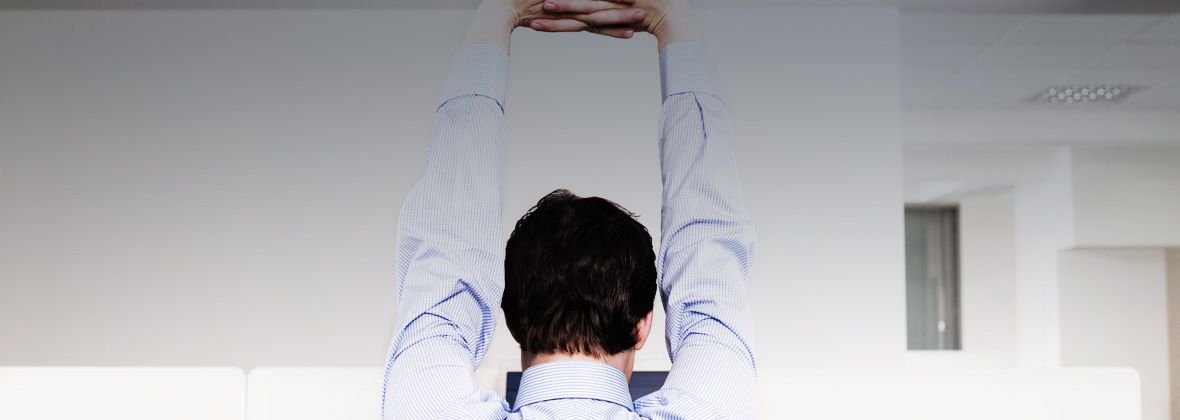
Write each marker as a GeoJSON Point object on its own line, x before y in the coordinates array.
{"type": "Point", "coordinates": [579, 275]}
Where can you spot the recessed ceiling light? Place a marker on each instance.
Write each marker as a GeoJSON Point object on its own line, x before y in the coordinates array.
{"type": "Point", "coordinates": [1085, 94]}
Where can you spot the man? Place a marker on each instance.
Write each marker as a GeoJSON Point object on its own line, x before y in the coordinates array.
{"type": "Point", "coordinates": [578, 276]}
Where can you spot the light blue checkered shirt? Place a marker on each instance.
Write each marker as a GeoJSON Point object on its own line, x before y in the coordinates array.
{"type": "Point", "coordinates": [451, 264]}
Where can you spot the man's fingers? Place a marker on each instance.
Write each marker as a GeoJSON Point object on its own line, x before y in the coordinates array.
{"type": "Point", "coordinates": [612, 17]}
{"type": "Point", "coordinates": [614, 32]}
{"type": "Point", "coordinates": [558, 25]}
{"type": "Point", "coordinates": [610, 22]}
{"type": "Point", "coordinates": [583, 6]}
{"type": "Point", "coordinates": [573, 25]}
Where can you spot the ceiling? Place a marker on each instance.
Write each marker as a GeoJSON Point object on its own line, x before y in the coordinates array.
{"type": "Point", "coordinates": [937, 6]}
{"type": "Point", "coordinates": [956, 54]}
{"type": "Point", "coordinates": [999, 61]}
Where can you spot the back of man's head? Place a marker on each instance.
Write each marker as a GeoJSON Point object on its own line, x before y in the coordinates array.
{"type": "Point", "coordinates": [579, 276]}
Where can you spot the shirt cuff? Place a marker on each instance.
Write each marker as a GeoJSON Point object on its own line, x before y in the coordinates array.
{"type": "Point", "coordinates": [478, 69]}
{"type": "Point", "coordinates": [685, 67]}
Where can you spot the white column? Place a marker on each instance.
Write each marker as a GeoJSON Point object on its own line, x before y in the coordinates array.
{"type": "Point", "coordinates": [987, 236]}
{"type": "Point", "coordinates": [1044, 226]}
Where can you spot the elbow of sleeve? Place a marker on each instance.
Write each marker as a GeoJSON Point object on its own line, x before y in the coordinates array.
{"type": "Point", "coordinates": [704, 237]}
{"type": "Point", "coordinates": [710, 332]}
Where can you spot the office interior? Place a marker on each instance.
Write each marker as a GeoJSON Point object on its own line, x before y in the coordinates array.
{"type": "Point", "coordinates": [965, 209]}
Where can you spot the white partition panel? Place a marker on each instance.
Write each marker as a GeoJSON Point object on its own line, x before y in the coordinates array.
{"type": "Point", "coordinates": [985, 394]}
{"type": "Point", "coordinates": [122, 393]}
{"type": "Point", "coordinates": [280, 393]}
{"type": "Point", "coordinates": [903, 394]}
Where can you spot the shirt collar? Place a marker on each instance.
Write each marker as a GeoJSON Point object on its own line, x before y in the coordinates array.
{"type": "Point", "coordinates": [573, 379]}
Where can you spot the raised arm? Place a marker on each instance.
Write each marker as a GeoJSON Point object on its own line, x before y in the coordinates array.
{"type": "Point", "coordinates": [450, 255]}
{"type": "Point", "coordinates": [708, 239]}
{"type": "Point", "coordinates": [449, 252]}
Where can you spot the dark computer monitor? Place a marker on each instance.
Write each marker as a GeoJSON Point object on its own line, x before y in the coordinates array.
{"type": "Point", "coordinates": [642, 383]}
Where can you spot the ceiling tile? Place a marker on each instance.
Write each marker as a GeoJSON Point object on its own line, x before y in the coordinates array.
{"type": "Point", "coordinates": [1034, 55]}
{"type": "Point", "coordinates": [955, 29]}
{"type": "Point", "coordinates": [927, 65]}
{"type": "Point", "coordinates": [1131, 64]}
{"type": "Point", "coordinates": [1139, 56]}
{"type": "Point", "coordinates": [1080, 29]}
{"type": "Point", "coordinates": [1167, 96]}
{"type": "Point", "coordinates": [961, 96]}
{"type": "Point", "coordinates": [1125, 76]}
{"type": "Point", "coordinates": [1009, 65]}
{"type": "Point", "coordinates": [910, 94]}
{"type": "Point", "coordinates": [1165, 31]}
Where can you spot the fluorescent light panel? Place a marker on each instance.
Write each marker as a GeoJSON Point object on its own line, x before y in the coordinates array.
{"type": "Point", "coordinates": [1085, 94]}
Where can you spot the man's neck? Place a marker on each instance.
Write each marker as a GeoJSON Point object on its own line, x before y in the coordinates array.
{"type": "Point", "coordinates": [624, 361]}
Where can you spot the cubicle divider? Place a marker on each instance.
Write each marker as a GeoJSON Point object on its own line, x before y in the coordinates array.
{"type": "Point", "coordinates": [958, 394]}
{"type": "Point", "coordinates": [287, 393]}
{"type": "Point", "coordinates": [123, 393]}
{"type": "Point", "coordinates": [294, 393]}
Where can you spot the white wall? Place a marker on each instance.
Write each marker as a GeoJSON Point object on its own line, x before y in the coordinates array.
{"type": "Point", "coordinates": [822, 171]}
{"type": "Point", "coordinates": [1127, 196]}
{"type": "Point", "coordinates": [220, 188]}
{"type": "Point", "coordinates": [1040, 181]}
{"type": "Point", "coordinates": [1080, 307]}
{"type": "Point", "coordinates": [987, 230]}
{"type": "Point", "coordinates": [967, 169]}
{"type": "Point", "coordinates": [1114, 313]}
{"type": "Point", "coordinates": [1173, 263]}
{"type": "Point", "coordinates": [208, 188]}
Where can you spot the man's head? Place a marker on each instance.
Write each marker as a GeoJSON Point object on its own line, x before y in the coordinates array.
{"type": "Point", "coordinates": [580, 278]}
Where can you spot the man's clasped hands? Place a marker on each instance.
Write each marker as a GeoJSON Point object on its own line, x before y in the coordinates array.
{"type": "Point", "coordinates": [613, 18]}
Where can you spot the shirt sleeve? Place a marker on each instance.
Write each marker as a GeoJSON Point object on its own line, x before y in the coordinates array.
{"type": "Point", "coordinates": [449, 251]}
{"type": "Point", "coordinates": [705, 252]}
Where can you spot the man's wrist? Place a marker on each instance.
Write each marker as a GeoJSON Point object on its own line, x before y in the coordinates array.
{"type": "Point", "coordinates": [674, 22]}
{"type": "Point", "coordinates": [493, 23]}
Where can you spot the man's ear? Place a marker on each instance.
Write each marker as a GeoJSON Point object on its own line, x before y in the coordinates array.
{"type": "Point", "coordinates": [642, 329]}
